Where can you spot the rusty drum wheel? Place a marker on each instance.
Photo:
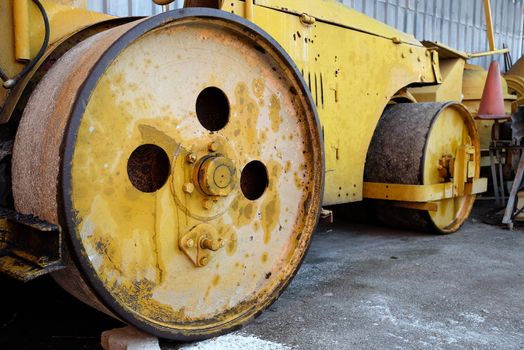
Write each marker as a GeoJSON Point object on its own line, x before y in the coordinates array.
{"type": "Point", "coordinates": [417, 144]}
{"type": "Point", "coordinates": [183, 157]}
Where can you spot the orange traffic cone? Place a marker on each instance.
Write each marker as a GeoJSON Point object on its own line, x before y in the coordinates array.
{"type": "Point", "coordinates": [492, 102]}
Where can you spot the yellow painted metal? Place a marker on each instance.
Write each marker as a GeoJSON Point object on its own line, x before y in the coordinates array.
{"type": "Point", "coordinates": [249, 10]}
{"type": "Point", "coordinates": [515, 80]}
{"type": "Point", "coordinates": [216, 175]}
{"type": "Point", "coordinates": [518, 68]}
{"type": "Point", "coordinates": [515, 85]}
{"type": "Point", "coordinates": [259, 252]}
{"type": "Point", "coordinates": [421, 193]}
{"type": "Point", "coordinates": [332, 11]}
{"type": "Point", "coordinates": [452, 137]}
{"type": "Point", "coordinates": [452, 70]}
{"type": "Point", "coordinates": [21, 30]}
{"type": "Point", "coordinates": [178, 258]}
{"type": "Point", "coordinates": [445, 51]}
{"type": "Point", "coordinates": [408, 193]}
{"type": "Point", "coordinates": [453, 133]}
{"type": "Point", "coordinates": [350, 83]}
{"type": "Point", "coordinates": [488, 53]}
{"type": "Point", "coordinates": [489, 25]}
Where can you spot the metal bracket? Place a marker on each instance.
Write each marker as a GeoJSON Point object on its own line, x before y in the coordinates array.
{"type": "Point", "coordinates": [421, 193]}
{"type": "Point", "coordinates": [29, 247]}
{"type": "Point", "coordinates": [200, 242]}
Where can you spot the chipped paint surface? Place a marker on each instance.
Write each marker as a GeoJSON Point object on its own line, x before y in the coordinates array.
{"type": "Point", "coordinates": [350, 83]}
{"type": "Point", "coordinates": [131, 238]}
{"type": "Point", "coordinates": [454, 128]}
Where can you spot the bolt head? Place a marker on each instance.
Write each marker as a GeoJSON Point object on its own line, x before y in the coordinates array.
{"type": "Point", "coordinates": [190, 243]}
{"type": "Point", "coordinates": [191, 158]}
{"type": "Point", "coordinates": [188, 188]}
{"type": "Point", "coordinates": [208, 204]}
{"type": "Point", "coordinates": [204, 261]}
{"type": "Point", "coordinates": [213, 146]}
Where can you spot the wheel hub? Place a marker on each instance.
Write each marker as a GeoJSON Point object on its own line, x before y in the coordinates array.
{"type": "Point", "coordinates": [216, 176]}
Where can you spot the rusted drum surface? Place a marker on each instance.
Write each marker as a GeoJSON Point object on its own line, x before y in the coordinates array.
{"type": "Point", "coordinates": [416, 144]}
{"type": "Point", "coordinates": [183, 156]}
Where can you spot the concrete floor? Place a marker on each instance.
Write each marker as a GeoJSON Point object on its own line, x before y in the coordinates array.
{"type": "Point", "coordinates": [360, 287]}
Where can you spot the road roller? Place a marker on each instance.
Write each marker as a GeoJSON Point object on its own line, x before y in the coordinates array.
{"type": "Point", "coordinates": [170, 170]}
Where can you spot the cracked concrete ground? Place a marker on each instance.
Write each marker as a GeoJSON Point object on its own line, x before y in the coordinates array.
{"type": "Point", "coordinates": [360, 287]}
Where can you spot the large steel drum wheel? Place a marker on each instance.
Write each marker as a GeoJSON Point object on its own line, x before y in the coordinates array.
{"type": "Point", "coordinates": [182, 156]}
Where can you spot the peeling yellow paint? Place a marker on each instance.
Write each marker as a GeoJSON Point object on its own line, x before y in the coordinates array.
{"type": "Point", "coordinates": [274, 113]}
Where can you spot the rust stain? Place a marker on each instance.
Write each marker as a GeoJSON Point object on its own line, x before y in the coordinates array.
{"type": "Point", "coordinates": [258, 87]}
{"type": "Point", "coordinates": [232, 244]}
{"type": "Point", "coordinates": [270, 211]}
{"type": "Point", "coordinates": [287, 167]}
{"type": "Point", "coordinates": [216, 280]}
{"type": "Point", "coordinates": [298, 180]}
{"type": "Point", "coordinates": [247, 108]}
{"type": "Point", "coordinates": [274, 113]}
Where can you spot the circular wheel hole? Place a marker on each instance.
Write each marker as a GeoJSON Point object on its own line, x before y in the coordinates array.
{"type": "Point", "coordinates": [212, 109]}
{"type": "Point", "coordinates": [254, 180]}
{"type": "Point", "coordinates": [148, 168]}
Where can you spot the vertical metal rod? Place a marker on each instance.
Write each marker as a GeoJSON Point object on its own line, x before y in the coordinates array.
{"type": "Point", "coordinates": [489, 25]}
{"type": "Point", "coordinates": [21, 30]}
{"type": "Point", "coordinates": [499, 156]}
{"type": "Point", "coordinates": [249, 10]}
{"type": "Point", "coordinates": [508, 215]}
{"type": "Point", "coordinates": [494, 176]}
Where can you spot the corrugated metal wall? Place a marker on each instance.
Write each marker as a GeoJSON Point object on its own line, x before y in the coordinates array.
{"type": "Point", "coordinates": [457, 23]}
{"type": "Point", "coordinates": [129, 7]}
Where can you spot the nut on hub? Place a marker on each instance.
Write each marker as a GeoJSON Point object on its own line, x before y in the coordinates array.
{"type": "Point", "coordinates": [188, 188]}
{"type": "Point", "coordinates": [191, 158]}
{"type": "Point", "coordinates": [217, 176]}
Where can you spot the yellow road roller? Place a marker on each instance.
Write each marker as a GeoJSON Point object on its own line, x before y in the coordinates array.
{"type": "Point", "coordinates": [170, 170]}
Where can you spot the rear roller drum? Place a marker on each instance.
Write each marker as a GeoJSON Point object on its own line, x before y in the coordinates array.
{"type": "Point", "coordinates": [415, 144]}
{"type": "Point", "coordinates": [182, 155]}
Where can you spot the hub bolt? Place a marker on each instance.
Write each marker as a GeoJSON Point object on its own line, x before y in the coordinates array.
{"type": "Point", "coordinates": [213, 147]}
{"type": "Point", "coordinates": [208, 204]}
{"type": "Point", "coordinates": [190, 243]}
{"type": "Point", "coordinates": [188, 188]}
{"type": "Point", "coordinates": [204, 261]}
{"type": "Point", "coordinates": [191, 158]}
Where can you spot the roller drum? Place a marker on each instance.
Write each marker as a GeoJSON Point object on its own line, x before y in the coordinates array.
{"type": "Point", "coordinates": [406, 148]}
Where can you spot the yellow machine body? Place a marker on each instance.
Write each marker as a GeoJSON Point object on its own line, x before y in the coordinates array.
{"type": "Point", "coordinates": [355, 66]}
{"type": "Point", "coordinates": [351, 86]}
